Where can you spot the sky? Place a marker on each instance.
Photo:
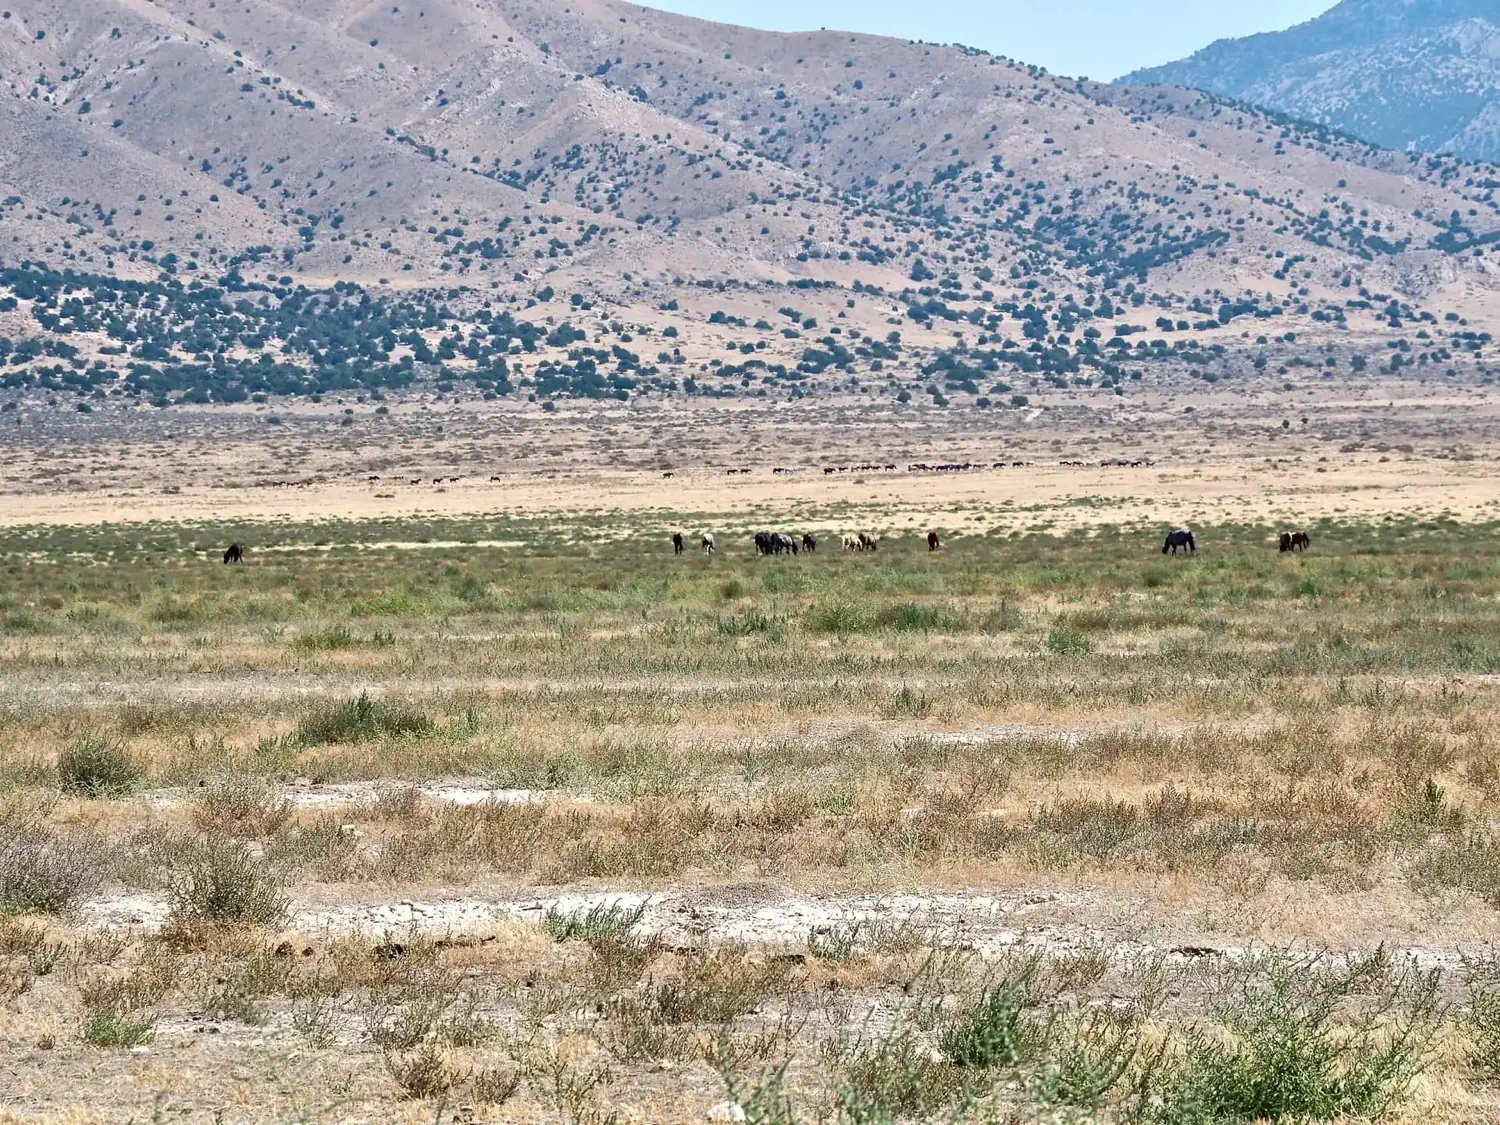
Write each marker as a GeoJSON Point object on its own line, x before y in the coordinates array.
{"type": "Point", "coordinates": [1100, 39]}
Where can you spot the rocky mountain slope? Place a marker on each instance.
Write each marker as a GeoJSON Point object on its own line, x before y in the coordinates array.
{"type": "Point", "coordinates": [306, 187]}
{"type": "Point", "coordinates": [1420, 76]}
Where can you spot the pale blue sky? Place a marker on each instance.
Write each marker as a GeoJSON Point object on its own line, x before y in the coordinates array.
{"type": "Point", "coordinates": [1098, 38]}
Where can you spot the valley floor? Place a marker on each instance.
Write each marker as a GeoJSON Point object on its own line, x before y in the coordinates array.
{"type": "Point", "coordinates": [488, 807]}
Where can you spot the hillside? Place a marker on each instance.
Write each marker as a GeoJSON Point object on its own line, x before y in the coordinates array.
{"type": "Point", "coordinates": [1422, 76]}
{"type": "Point", "coordinates": [204, 203]}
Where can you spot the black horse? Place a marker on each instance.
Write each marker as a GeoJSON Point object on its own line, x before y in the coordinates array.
{"type": "Point", "coordinates": [677, 544]}
{"type": "Point", "coordinates": [762, 543]}
{"type": "Point", "coordinates": [933, 542]}
{"type": "Point", "coordinates": [235, 554]}
{"type": "Point", "coordinates": [809, 544]}
{"type": "Point", "coordinates": [1182, 537]}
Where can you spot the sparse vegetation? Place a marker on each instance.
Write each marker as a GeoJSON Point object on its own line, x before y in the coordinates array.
{"type": "Point", "coordinates": [96, 766]}
{"type": "Point", "coordinates": [220, 882]}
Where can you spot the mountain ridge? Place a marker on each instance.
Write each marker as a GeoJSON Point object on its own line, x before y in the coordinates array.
{"type": "Point", "coordinates": [774, 196]}
{"type": "Point", "coordinates": [1411, 76]}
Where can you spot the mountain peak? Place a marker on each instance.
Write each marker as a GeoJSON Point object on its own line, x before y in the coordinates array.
{"type": "Point", "coordinates": [1418, 75]}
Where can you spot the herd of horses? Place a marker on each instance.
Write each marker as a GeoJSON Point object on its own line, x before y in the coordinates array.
{"type": "Point", "coordinates": [782, 543]}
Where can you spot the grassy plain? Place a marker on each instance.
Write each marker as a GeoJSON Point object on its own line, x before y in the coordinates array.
{"type": "Point", "coordinates": [522, 818]}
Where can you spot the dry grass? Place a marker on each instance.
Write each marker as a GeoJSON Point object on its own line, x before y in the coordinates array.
{"type": "Point", "coordinates": [1280, 750]}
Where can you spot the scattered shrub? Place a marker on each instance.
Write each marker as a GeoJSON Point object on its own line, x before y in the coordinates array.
{"type": "Point", "coordinates": [597, 923]}
{"type": "Point", "coordinates": [94, 766]}
{"type": "Point", "coordinates": [222, 883]}
{"type": "Point", "coordinates": [361, 720]}
{"type": "Point", "coordinates": [236, 805]}
{"type": "Point", "coordinates": [41, 869]}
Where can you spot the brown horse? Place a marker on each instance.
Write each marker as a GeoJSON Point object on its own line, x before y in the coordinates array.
{"type": "Point", "coordinates": [933, 542]}
{"type": "Point", "coordinates": [235, 554]}
{"type": "Point", "coordinates": [677, 544]}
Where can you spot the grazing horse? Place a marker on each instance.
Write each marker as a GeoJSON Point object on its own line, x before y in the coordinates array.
{"type": "Point", "coordinates": [762, 543]}
{"type": "Point", "coordinates": [707, 543]}
{"type": "Point", "coordinates": [1295, 541]}
{"type": "Point", "coordinates": [235, 554]}
{"type": "Point", "coordinates": [809, 544]}
{"type": "Point", "coordinates": [933, 542]}
{"type": "Point", "coordinates": [677, 544]}
{"type": "Point", "coordinates": [1182, 537]}
{"type": "Point", "coordinates": [851, 543]}
{"type": "Point", "coordinates": [868, 542]}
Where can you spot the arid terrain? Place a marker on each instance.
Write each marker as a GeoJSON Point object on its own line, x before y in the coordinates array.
{"type": "Point", "coordinates": [468, 799]}
{"type": "Point", "coordinates": [462, 797]}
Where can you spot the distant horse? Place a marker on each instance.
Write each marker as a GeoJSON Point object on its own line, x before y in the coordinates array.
{"type": "Point", "coordinates": [707, 543]}
{"type": "Point", "coordinates": [933, 542]}
{"type": "Point", "coordinates": [1182, 537]}
{"type": "Point", "coordinates": [235, 554]}
{"type": "Point", "coordinates": [851, 543]}
{"type": "Point", "coordinates": [762, 543]}
{"type": "Point", "coordinates": [1295, 541]}
{"type": "Point", "coordinates": [809, 544]}
{"type": "Point", "coordinates": [677, 543]}
{"type": "Point", "coordinates": [869, 542]}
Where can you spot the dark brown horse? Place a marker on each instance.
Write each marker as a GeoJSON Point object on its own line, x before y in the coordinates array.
{"type": "Point", "coordinates": [235, 554]}
{"type": "Point", "coordinates": [933, 542]}
{"type": "Point", "coordinates": [1179, 539]}
{"type": "Point", "coordinates": [1295, 541]}
{"type": "Point", "coordinates": [677, 544]}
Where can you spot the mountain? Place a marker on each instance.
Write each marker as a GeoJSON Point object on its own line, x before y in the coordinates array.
{"type": "Point", "coordinates": [201, 201]}
{"type": "Point", "coordinates": [1418, 75]}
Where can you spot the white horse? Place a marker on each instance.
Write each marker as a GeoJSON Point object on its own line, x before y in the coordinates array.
{"type": "Point", "coordinates": [708, 543]}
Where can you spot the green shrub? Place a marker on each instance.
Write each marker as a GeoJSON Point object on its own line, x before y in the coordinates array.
{"type": "Point", "coordinates": [908, 703]}
{"type": "Point", "coordinates": [222, 883]}
{"type": "Point", "coordinates": [910, 617]}
{"type": "Point", "coordinates": [893, 1078]}
{"type": "Point", "coordinates": [838, 617]}
{"type": "Point", "coordinates": [360, 720]}
{"type": "Point", "coordinates": [326, 640]}
{"type": "Point", "coordinates": [1296, 1051]}
{"type": "Point", "coordinates": [104, 1028]}
{"type": "Point", "coordinates": [1066, 642]}
{"type": "Point", "coordinates": [598, 923]}
{"type": "Point", "coordinates": [94, 766]}
{"type": "Point", "coordinates": [993, 1030]}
